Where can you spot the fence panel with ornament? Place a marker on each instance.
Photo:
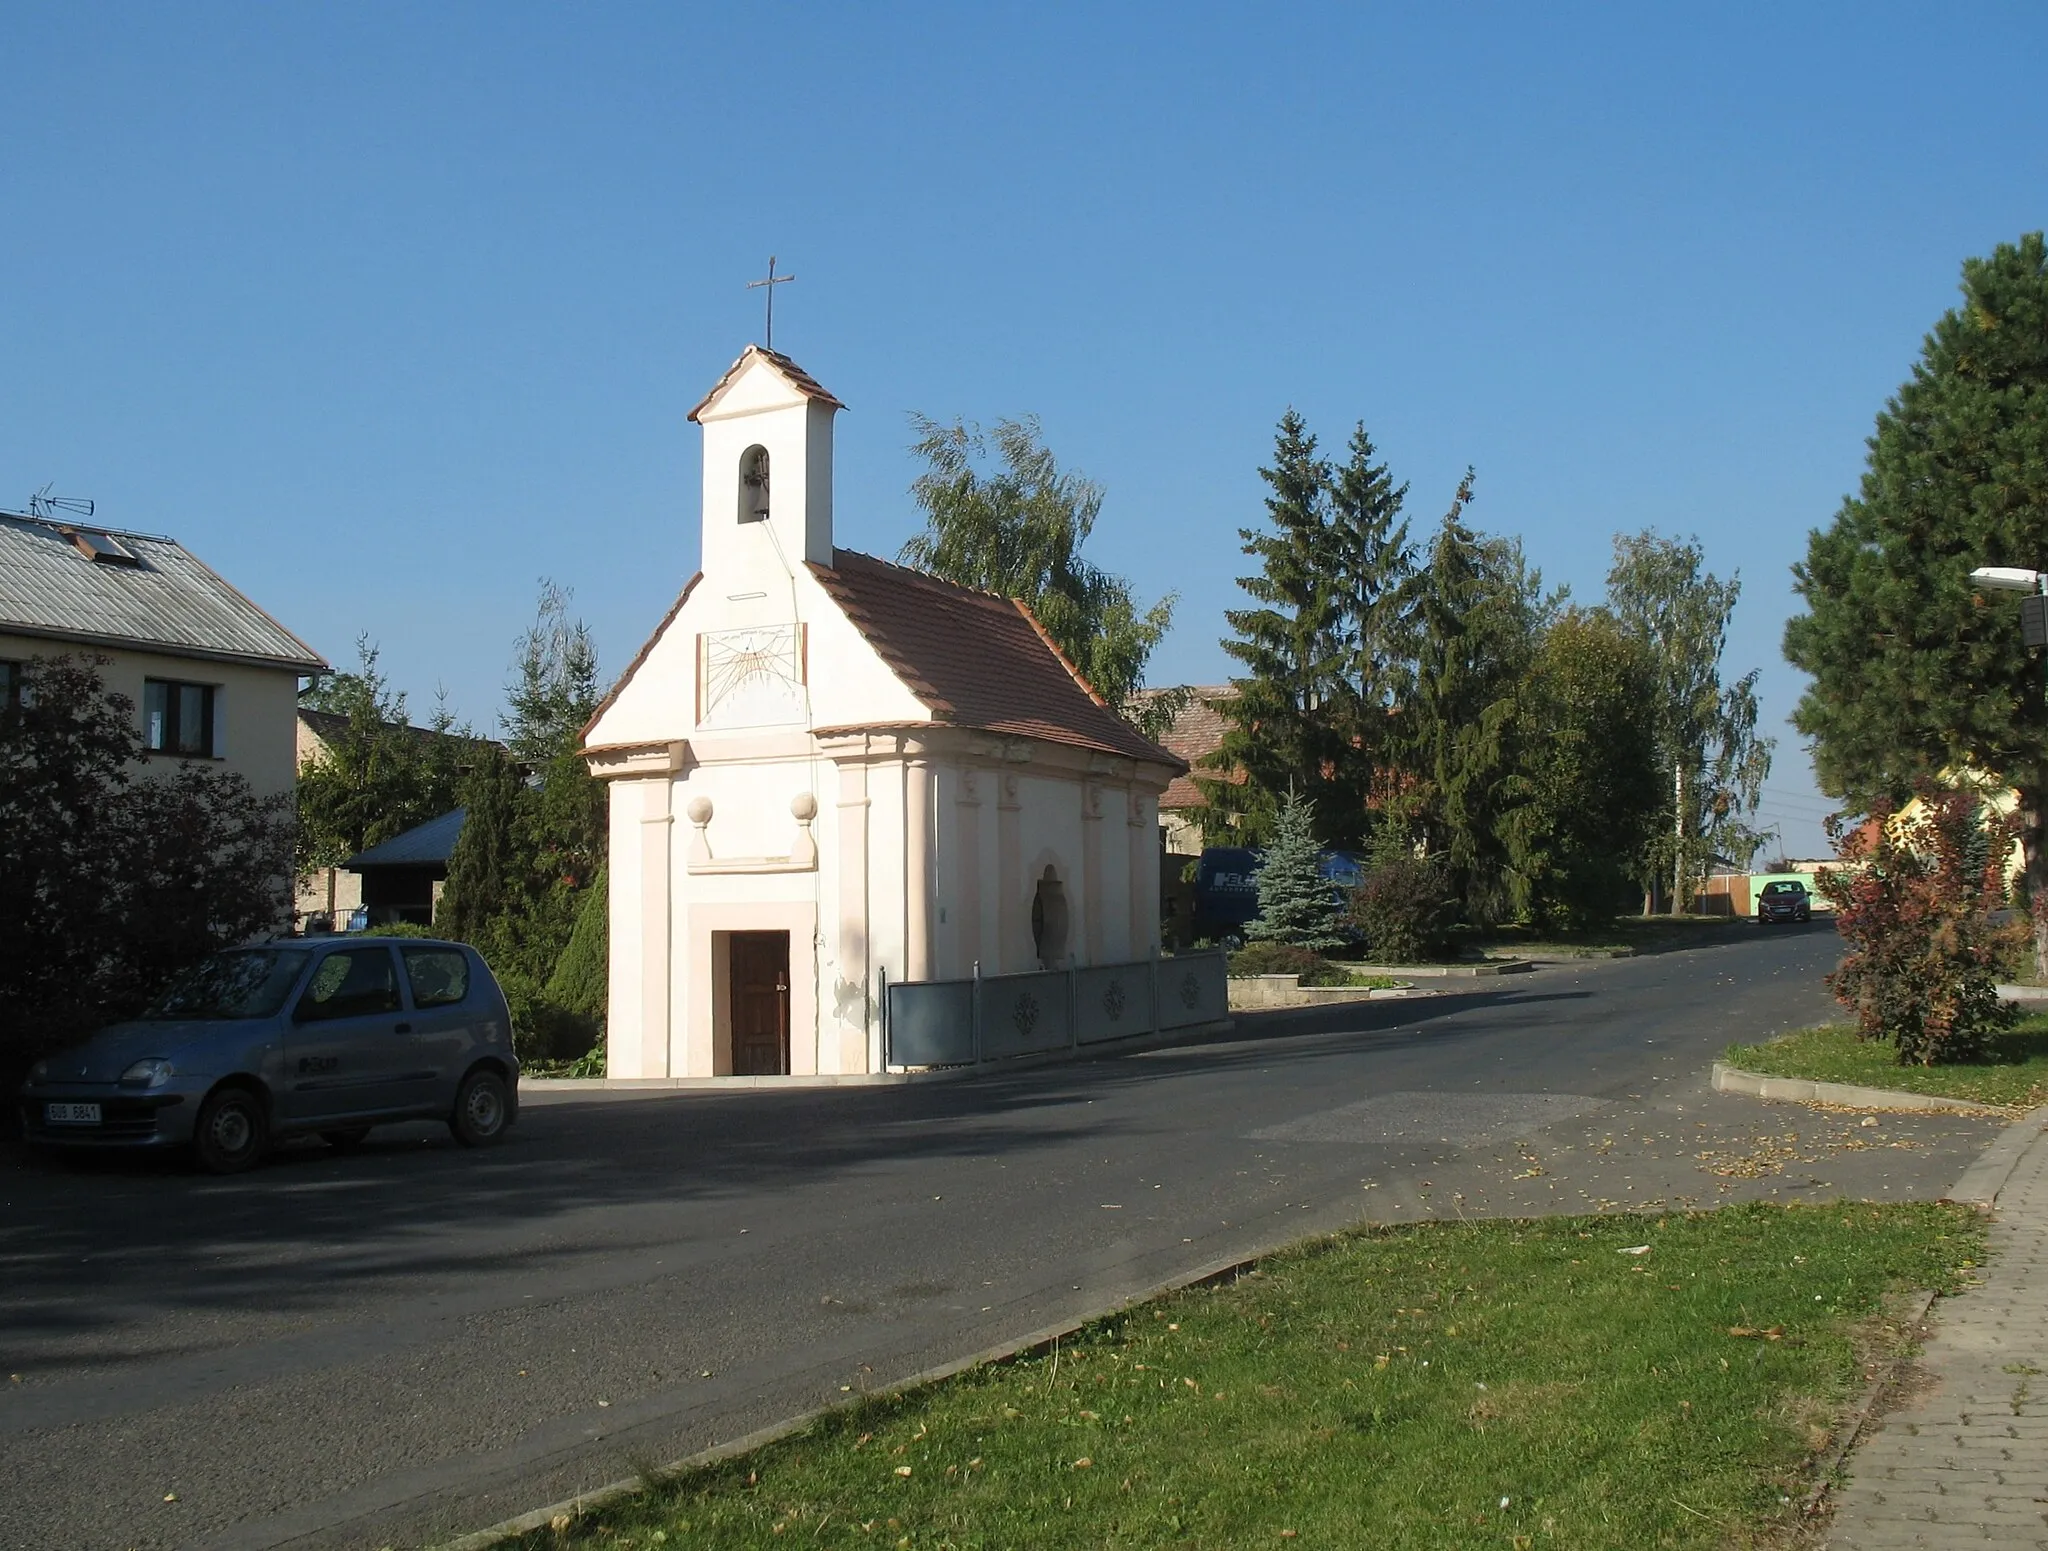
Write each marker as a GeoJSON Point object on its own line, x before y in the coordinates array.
{"type": "Point", "coordinates": [1000, 1017]}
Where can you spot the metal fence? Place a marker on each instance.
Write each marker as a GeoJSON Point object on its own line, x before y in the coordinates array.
{"type": "Point", "coordinates": [998, 1017]}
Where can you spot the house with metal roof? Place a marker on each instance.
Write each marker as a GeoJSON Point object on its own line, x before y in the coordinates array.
{"type": "Point", "coordinates": [833, 779]}
{"type": "Point", "coordinates": [401, 878]}
{"type": "Point", "coordinates": [211, 674]}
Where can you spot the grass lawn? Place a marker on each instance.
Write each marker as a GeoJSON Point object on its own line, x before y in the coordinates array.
{"type": "Point", "coordinates": [2016, 1074]}
{"type": "Point", "coordinates": [1495, 1384]}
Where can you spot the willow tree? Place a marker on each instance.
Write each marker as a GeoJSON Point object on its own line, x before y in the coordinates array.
{"type": "Point", "coordinates": [1016, 527]}
{"type": "Point", "coordinates": [1916, 672]}
{"type": "Point", "coordinates": [1713, 761]}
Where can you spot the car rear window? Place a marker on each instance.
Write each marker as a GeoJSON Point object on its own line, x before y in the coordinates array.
{"type": "Point", "coordinates": [439, 976]}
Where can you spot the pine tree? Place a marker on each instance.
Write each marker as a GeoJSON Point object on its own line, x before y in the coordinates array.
{"type": "Point", "coordinates": [1280, 736]}
{"type": "Point", "coordinates": [1295, 900]}
{"type": "Point", "coordinates": [1916, 671]}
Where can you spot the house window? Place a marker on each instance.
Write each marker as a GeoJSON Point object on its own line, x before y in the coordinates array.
{"type": "Point", "coordinates": [10, 685]}
{"type": "Point", "coordinates": [178, 718]}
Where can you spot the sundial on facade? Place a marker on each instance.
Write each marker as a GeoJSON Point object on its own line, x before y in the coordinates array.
{"type": "Point", "coordinates": [753, 677]}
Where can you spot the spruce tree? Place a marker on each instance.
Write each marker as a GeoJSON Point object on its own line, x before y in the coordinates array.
{"type": "Point", "coordinates": [1295, 900]}
{"type": "Point", "coordinates": [489, 880]}
{"type": "Point", "coordinates": [1915, 670]}
{"type": "Point", "coordinates": [1280, 736]}
{"type": "Point", "coordinates": [1370, 644]}
{"type": "Point", "coordinates": [1477, 612]}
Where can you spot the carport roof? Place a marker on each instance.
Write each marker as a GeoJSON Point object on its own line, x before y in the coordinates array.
{"type": "Point", "coordinates": [424, 845]}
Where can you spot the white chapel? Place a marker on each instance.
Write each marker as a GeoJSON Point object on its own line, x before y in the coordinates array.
{"type": "Point", "coordinates": [828, 774]}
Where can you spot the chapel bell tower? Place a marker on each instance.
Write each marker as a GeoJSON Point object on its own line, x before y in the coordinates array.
{"type": "Point", "coordinates": [767, 466]}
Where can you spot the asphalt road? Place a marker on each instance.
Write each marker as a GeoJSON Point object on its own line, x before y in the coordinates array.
{"type": "Point", "coordinates": [393, 1347]}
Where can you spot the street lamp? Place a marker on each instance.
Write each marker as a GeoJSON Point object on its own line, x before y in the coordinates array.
{"type": "Point", "coordinates": [2033, 609]}
{"type": "Point", "coordinates": [2009, 578]}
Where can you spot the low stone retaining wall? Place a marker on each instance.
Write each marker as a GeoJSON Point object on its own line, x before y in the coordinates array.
{"type": "Point", "coordinates": [1480, 971]}
{"type": "Point", "coordinates": [1249, 993]}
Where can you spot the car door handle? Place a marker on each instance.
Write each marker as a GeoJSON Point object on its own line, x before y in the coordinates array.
{"type": "Point", "coordinates": [403, 1028]}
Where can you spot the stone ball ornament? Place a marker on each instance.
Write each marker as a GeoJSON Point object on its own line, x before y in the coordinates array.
{"type": "Point", "coordinates": [803, 807]}
{"type": "Point", "coordinates": [699, 810]}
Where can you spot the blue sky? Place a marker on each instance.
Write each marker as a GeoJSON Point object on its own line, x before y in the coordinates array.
{"type": "Point", "coordinates": [390, 311]}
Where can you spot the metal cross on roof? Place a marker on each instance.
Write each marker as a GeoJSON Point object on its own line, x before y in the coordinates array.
{"type": "Point", "coordinates": [769, 285]}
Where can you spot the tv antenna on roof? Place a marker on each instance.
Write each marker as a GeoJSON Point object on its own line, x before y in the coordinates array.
{"type": "Point", "coordinates": [43, 504]}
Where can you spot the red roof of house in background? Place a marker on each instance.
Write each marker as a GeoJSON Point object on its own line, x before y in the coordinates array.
{"type": "Point", "coordinates": [1195, 734]}
{"type": "Point", "coordinates": [976, 659]}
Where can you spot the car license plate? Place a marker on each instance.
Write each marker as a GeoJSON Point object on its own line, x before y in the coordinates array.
{"type": "Point", "coordinates": [71, 1114]}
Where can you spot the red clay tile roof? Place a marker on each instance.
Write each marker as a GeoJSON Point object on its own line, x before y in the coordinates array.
{"type": "Point", "coordinates": [798, 378]}
{"type": "Point", "coordinates": [976, 659]}
{"type": "Point", "coordinates": [1196, 733]}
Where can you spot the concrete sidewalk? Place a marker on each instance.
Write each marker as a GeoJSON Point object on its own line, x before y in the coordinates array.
{"type": "Point", "coordinates": [1966, 1462]}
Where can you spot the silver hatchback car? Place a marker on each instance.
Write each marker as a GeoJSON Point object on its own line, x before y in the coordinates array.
{"type": "Point", "coordinates": [327, 1038]}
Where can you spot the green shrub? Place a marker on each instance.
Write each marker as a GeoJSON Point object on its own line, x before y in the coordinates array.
{"type": "Point", "coordinates": [581, 981]}
{"type": "Point", "coordinates": [1275, 958]}
{"type": "Point", "coordinates": [1404, 910]}
{"type": "Point", "coordinates": [1913, 903]}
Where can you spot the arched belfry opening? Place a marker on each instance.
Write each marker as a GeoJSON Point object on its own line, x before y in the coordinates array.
{"type": "Point", "coordinates": [1049, 920]}
{"type": "Point", "coordinates": [754, 484]}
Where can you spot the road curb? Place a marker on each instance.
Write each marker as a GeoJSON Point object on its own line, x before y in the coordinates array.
{"type": "Point", "coordinates": [1134, 1044]}
{"type": "Point", "coordinates": [1916, 1320]}
{"type": "Point", "coordinates": [1801, 1090]}
{"type": "Point", "coordinates": [1984, 1179]}
{"type": "Point", "coordinates": [1038, 1340]}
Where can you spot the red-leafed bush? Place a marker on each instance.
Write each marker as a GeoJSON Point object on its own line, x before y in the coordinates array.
{"type": "Point", "coordinates": [1913, 899]}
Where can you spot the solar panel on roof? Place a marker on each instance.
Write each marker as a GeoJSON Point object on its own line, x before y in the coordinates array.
{"type": "Point", "coordinates": [103, 547]}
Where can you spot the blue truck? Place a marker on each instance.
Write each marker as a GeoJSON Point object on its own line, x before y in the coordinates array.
{"type": "Point", "coordinates": [1227, 886]}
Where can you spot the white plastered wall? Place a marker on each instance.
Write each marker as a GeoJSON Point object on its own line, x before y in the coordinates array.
{"type": "Point", "coordinates": [256, 710]}
{"type": "Point", "coordinates": [989, 816]}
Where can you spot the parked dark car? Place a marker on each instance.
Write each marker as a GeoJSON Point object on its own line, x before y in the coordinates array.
{"type": "Point", "coordinates": [1782, 900]}
{"type": "Point", "coordinates": [325, 1038]}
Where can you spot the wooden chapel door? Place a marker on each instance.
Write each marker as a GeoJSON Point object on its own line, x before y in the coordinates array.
{"type": "Point", "coordinates": [760, 1003]}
